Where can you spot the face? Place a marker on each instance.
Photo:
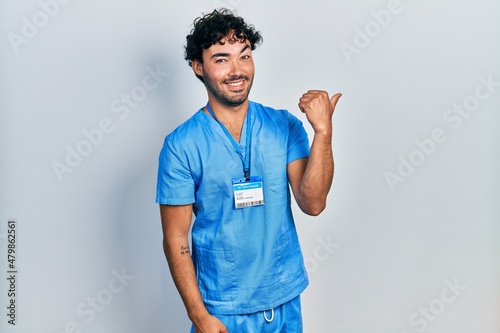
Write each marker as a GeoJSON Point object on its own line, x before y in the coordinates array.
{"type": "Point", "coordinates": [228, 71]}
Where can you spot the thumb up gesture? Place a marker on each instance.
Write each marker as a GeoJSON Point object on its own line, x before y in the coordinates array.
{"type": "Point", "coordinates": [319, 107]}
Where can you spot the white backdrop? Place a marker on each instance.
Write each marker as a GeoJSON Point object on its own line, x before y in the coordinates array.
{"type": "Point", "coordinates": [410, 241]}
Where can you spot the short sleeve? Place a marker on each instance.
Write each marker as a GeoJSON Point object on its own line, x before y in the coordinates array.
{"type": "Point", "coordinates": [298, 142]}
{"type": "Point", "coordinates": [175, 184]}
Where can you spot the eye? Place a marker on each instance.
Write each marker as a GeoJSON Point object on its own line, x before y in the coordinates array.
{"type": "Point", "coordinates": [245, 57]}
{"type": "Point", "coordinates": [220, 60]}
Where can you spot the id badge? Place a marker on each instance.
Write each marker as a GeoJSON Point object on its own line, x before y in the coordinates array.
{"type": "Point", "coordinates": [248, 193]}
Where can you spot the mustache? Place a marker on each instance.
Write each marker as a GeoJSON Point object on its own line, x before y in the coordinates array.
{"type": "Point", "coordinates": [236, 78]}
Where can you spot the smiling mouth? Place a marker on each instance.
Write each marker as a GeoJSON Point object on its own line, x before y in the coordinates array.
{"type": "Point", "coordinates": [236, 81]}
{"type": "Point", "coordinates": [236, 86]}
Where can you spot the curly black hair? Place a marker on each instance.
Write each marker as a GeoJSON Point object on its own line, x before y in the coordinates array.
{"type": "Point", "coordinates": [212, 28]}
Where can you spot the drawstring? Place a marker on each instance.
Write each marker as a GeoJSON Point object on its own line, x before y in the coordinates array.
{"type": "Point", "coordinates": [272, 316]}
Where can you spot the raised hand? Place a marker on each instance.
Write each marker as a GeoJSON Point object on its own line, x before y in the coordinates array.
{"type": "Point", "coordinates": [319, 108]}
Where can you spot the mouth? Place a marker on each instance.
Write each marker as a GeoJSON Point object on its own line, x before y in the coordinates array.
{"type": "Point", "coordinates": [235, 85]}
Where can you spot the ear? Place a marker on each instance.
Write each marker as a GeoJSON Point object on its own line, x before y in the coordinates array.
{"type": "Point", "coordinates": [197, 67]}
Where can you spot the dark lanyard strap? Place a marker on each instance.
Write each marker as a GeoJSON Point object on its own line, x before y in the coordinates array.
{"type": "Point", "coordinates": [245, 159]}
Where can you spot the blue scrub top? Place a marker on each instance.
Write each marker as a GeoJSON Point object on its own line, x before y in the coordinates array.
{"type": "Point", "coordinates": [246, 259]}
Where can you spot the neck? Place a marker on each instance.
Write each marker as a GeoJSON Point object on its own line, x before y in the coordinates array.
{"type": "Point", "coordinates": [226, 113]}
{"type": "Point", "coordinates": [232, 117]}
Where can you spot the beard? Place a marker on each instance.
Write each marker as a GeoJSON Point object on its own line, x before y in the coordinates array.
{"type": "Point", "coordinates": [228, 98]}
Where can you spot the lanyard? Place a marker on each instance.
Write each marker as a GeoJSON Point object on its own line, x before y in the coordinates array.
{"type": "Point", "coordinates": [245, 159]}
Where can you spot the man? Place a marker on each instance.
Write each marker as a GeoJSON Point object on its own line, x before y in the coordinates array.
{"type": "Point", "coordinates": [231, 164]}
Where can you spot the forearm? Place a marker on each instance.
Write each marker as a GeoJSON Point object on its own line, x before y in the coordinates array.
{"type": "Point", "coordinates": [176, 222]}
{"type": "Point", "coordinates": [318, 175]}
{"type": "Point", "coordinates": [184, 276]}
{"type": "Point", "coordinates": [313, 185]}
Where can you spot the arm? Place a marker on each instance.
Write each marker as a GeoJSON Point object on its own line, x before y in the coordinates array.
{"type": "Point", "coordinates": [176, 221]}
{"type": "Point", "coordinates": [311, 178]}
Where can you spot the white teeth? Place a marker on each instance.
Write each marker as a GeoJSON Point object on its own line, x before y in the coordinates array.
{"type": "Point", "coordinates": [236, 84]}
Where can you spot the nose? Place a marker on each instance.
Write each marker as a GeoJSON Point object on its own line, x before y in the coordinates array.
{"type": "Point", "coordinates": [235, 68]}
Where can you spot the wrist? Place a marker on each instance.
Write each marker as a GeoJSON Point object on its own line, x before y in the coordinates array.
{"type": "Point", "coordinates": [198, 315]}
{"type": "Point", "coordinates": [323, 134]}
{"type": "Point", "coordinates": [323, 128]}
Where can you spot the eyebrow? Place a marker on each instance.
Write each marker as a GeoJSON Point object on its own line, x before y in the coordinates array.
{"type": "Point", "coordinates": [216, 55]}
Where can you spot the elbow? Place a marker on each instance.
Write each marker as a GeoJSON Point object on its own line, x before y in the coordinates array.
{"type": "Point", "coordinates": [314, 209]}
{"type": "Point", "coordinates": [315, 212]}
{"type": "Point", "coordinates": [311, 202]}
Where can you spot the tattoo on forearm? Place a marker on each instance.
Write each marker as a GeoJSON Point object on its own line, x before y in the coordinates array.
{"type": "Point", "coordinates": [185, 249]}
